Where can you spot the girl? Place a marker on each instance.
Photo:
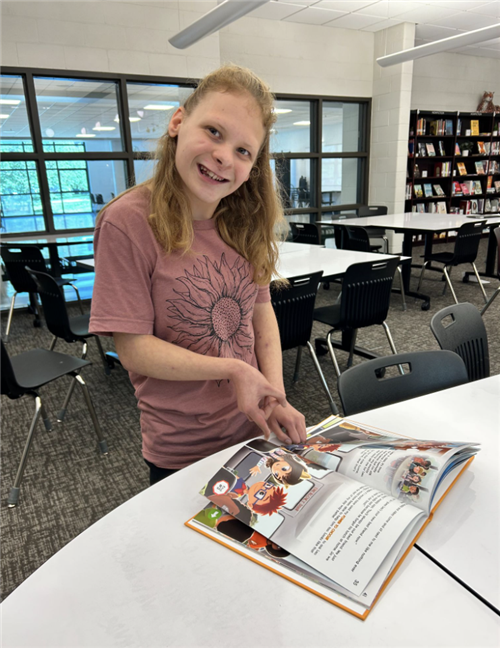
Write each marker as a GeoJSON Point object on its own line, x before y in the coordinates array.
{"type": "Point", "coordinates": [183, 265]}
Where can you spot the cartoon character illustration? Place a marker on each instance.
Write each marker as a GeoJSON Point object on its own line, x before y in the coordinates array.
{"type": "Point", "coordinates": [286, 468]}
{"type": "Point", "coordinates": [264, 498]}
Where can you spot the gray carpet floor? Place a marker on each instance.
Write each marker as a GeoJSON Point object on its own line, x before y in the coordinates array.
{"type": "Point", "coordinates": [67, 484]}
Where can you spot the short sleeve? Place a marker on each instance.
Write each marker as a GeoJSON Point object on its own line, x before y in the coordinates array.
{"type": "Point", "coordinates": [263, 294]}
{"type": "Point", "coordinates": [121, 301]}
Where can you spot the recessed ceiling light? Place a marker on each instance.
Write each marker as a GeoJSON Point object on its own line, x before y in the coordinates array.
{"type": "Point", "coordinates": [10, 102]}
{"type": "Point", "coordinates": [104, 128]}
{"type": "Point", "coordinates": [302, 123]}
{"type": "Point", "coordinates": [134, 119]}
{"type": "Point", "coordinates": [281, 111]}
{"type": "Point", "coordinates": [85, 135]}
{"type": "Point", "coordinates": [4, 116]}
{"type": "Point", "coordinates": [158, 107]}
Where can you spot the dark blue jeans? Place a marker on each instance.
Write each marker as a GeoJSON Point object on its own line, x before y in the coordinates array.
{"type": "Point", "coordinates": [156, 473]}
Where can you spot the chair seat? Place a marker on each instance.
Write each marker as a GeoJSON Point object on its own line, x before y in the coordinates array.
{"type": "Point", "coordinates": [38, 367]}
{"type": "Point", "coordinates": [60, 281]}
{"type": "Point", "coordinates": [329, 315]}
{"type": "Point", "coordinates": [441, 257]}
{"type": "Point", "coordinates": [79, 325]}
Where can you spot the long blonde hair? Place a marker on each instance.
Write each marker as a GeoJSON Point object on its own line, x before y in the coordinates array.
{"type": "Point", "coordinates": [250, 219]}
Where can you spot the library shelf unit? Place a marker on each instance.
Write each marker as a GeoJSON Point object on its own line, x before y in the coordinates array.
{"type": "Point", "coordinates": [453, 162]}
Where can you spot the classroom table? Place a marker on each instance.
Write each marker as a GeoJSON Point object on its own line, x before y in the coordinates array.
{"type": "Point", "coordinates": [53, 242]}
{"type": "Point", "coordinates": [139, 577]}
{"type": "Point", "coordinates": [412, 223]}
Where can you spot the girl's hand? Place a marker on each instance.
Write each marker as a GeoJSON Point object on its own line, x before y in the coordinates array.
{"type": "Point", "coordinates": [289, 418]}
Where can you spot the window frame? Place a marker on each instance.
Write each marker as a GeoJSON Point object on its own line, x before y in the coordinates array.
{"type": "Point", "coordinates": [128, 155]}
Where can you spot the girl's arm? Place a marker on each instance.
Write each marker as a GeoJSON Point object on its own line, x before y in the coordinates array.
{"type": "Point", "coordinates": [149, 356]}
{"type": "Point", "coordinates": [268, 351]}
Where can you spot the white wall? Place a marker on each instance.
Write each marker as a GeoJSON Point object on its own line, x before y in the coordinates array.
{"type": "Point", "coordinates": [451, 81]}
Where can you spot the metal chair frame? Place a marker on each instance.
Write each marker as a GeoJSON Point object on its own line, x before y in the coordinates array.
{"type": "Point", "coordinates": [495, 294]}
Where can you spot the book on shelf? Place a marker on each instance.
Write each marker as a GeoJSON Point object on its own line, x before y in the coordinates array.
{"type": "Point", "coordinates": [465, 207]}
{"type": "Point", "coordinates": [466, 187]}
{"type": "Point", "coordinates": [461, 168]}
{"type": "Point", "coordinates": [494, 205]}
{"type": "Point", "coordinates": [411, 148]}
{"type": "Point", "coordinates": [474, 127]}
{"type": "Point", "coordinates": [448, 128]}
{"type": "Point", "coordinates": [457, 149]}
{"type": "Point", "coordinates": [479, 167]}
{"type": "Point", "coordinates": [494, 167]}
{"type": "Point", "coordinates": [409, 189]}
{"type": "Point", "coordinates": [487, 148]}
{"type": "Point", "coordinates": [481, 148]}
{"type": "Point", "coordinates": [474, 206]}
{"type": "Point", "coordinates": [478, 189]}
{"type": "Point", "coordinates": [427, 190]}
{"type": "Point", "coordinates": [441, 207]}
{"type": "Point", "coordinates": [456, 188]}
{"type": "Point", "coordinates": [495, 147]}
{"type": "Point", "coordinates": [337, 514]}
{"type": "Point", "coordinates": [487, 206]}
{"type": "Point", "coordinates": [421, 126]}
{"type": "Point", "coordinates": [438, 190]}
{"type": "Point", "coordinates": [489, 185]}
{"type": "Point", "coordinates": [418, 191]}
{"type": "Point", "coordinates": [430, 149]}
{"type": "Point", "coordinates": [497, 185]}
{"type": "Point", "coordinates": [420, 208]}
{"type": "Point", "coordinates": [437, 127]}
{"type": "Point", "coordinates": [459, 126]}
{"type": "Point", "coordinates": [442, 151]}
{"type": "Point", "coordinates": [422, 151]}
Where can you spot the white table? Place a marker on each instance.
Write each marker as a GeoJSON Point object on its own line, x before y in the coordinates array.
{"type": "Point", "coordinates": [86, 263]}
{"type": "Point", "coordinates": [465, 534]}
{"type": "Point", "coordinates": [138, 577]}
{"type": "Point", "coordinates": [412, 223]}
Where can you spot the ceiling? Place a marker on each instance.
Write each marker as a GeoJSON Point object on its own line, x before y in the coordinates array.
{"type": "Point", "coordinates": [434, 20]}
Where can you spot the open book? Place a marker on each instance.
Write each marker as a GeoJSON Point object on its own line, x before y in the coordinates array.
{"type": "Point", "coordinates": [336, 514]}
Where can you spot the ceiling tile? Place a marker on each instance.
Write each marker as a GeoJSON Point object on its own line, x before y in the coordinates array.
{"type": "Point", "coordinates": [354, 21]}
{"type": "Point", "coordinates": [429, 14]}
{"type": "Point", "coordinates": [276, 10]}
{"type": "Point", "coordinates": [469, 21]}
{"type": "Point", "coordinates": [461, 5]}
{"type": "Point", "coordinates": [384, 24]}
{"type": "Point", "coordinates": [478, 51]}
{"type": "Point", "coordinates": [488, 9]}
{"type": "Point", "coordinates": [434, 32]}
{"type": "Point", "coordinates": [345, 5]}
{"type": "Point", "coordinates": [313, 16]}
{"type": "Point", "coordinates": [300, 2]}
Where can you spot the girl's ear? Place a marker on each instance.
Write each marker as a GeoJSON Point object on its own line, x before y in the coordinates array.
{"type": "Point", "coordinates": [176, 121]}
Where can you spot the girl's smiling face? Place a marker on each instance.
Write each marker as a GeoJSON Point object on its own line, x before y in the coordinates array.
{"type": "Point", "coordinates": [217, 146]}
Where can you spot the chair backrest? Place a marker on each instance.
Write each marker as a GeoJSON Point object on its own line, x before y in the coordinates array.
{"type": "Point", "coordinates": [372, 210]}
{"type": "Point", "coordinates": [467, 242]}
{"type": "Point", "coordinates": [9, 385]}
{"type": "Point", "coordinates": [305, 233]}
{"type": "Point", "coordinates": [366, 386]}
{"type": "Point", "coordinates": [294, 307]}
{"type": "Point", "coordinates": [355, 238]}
{"type": "Point", "coordinates": [54, 305]}
{"type": "Point", "coordinates": [366, 293]}
{"type": "Point", "coordinates": [16, 258]}
{"type": "Point", "coordinates": [460, 328]}
{"type": "Point", "coordinates": [325, 232]}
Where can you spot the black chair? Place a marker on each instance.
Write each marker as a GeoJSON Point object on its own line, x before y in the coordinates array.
{"type": "Point", "coordinates": [356, 239]}
{"type": "Point", "coordinates": [99, 199]}
{"type": "Point", "coordinates": [490, 300]}
{"type": "Point", "coordinates": [375, 232]}
{"type": "Point", "coordinates": [70, 329]}
{"type": "Point", "coordinates": [465, 251]}
{"type": "Point", "coordinates": [294, 306]}
{"type": "Point", "coordinates": [305, 233]}
{"type": "Point", "coordinates": [365, 298]}
{"type": "Point", "coordinates": [24, 374]}
{"type": "Point", "coordinates": [371, 384]}
{"type": "Point", "coordinates": [15, 258]}
{"type": "Point", "coordinates": [460, 328]}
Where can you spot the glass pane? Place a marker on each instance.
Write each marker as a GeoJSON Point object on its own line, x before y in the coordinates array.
{"type": "Point", "coordinates": [150, 108]}
{"type": "Point", "coordinates": [295, 180]}
{"type": "Point", "coordinates": [292, 131]}
{"type": "Point", "coordinates": [342, 127]}
{"type": "Point", "coordinates": [341, 181]}
{"type": "Point", "coordinates": [144, 170]}
{"type": "Point", "coordinates": [79, 189]}
{"type": "Point", "coordinates": [21, 207]}
{"type": "Point", "coordinates": [14, 125]}
{"type": "Point", "coordinates": [83, 112]}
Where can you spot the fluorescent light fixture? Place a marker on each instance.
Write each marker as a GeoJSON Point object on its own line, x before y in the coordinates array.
{"type": "Point", "coordinates": [220, 16]}
{"type": "Point", "coordinates": [4, 116]}
{"type": "Point", "coordinates": [281, 111]}
{"type": "Point", "coordinates": [85, 135]}
{"type": "Point", "coordinates": [134, 119]}
{"type": "Point", "coordinates": [158, 107]}
{"type": "Point", "coordinates": [104, 128]}
{"type": "Point", "coordinates": [460, 40]}
{"type": "Point", "coordinates": [10, 102]}
{"type": "Point", "coordinates": [302, 123]}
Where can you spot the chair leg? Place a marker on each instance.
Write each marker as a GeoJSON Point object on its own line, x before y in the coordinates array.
{"type": "Point", "coordinates": [332, 354]}
{"type": "Point", "coordinates": [107, 368]}
{"type": "Point", "coordinates": [297, 364]}
{"type": "Point", "coordinates": [495, 294]}
{"type": "Point", "coordinates": [402, 287]}
{"type": "Point", "coordinates": [62, 412]}
{"type": "Point", "coordinates": [14, 491]}
{"type": "Point", "coordinates": [351, 350]}
{"type": "Point", "coordinates": [80, 305]}
{"type": "Point", "coordinates": [448, 281]}
{"type": "Point", "coordinates": [53, 343]}
{"type": "Point", "coordinates": [426, 263]}
{"type": "Point", "coordinates": [321, 375]}
{"type": "Point", "coordinates": [386, 244]}
{"type": "Point", "coordinates": [103, 446]}
{"type": "Point", "coordinates": [392, 345]}
{"type": "Point", "coordinates": [9, 321]}
{"type": "Point", "coordinates": [479, 282]}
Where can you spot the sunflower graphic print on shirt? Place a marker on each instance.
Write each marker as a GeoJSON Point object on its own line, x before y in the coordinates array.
{"type": "Point", "coordinates": [213, 313]}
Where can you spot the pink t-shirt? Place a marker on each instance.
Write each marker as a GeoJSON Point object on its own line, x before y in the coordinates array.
{"type": "Point", "coordinates": [202, 300]}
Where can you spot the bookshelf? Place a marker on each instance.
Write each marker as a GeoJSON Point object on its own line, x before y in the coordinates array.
{"type": "Point", "coordinates": [453, 163]}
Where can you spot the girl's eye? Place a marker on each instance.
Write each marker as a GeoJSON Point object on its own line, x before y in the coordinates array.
{"type": "Point", "coordinates": [244, 152]}
{"type": "Point", "coordinates": [213, 131]}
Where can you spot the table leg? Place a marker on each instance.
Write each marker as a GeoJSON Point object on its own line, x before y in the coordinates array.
{"type": "Point", "coordinates": [406, 269]}
{"type": "Point", "coordinates": [55, 262]}
{"type": "Point", "coordinates": [491, 253]}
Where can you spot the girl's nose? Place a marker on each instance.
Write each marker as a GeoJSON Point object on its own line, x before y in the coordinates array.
{"type": "Point", "coordinates": [222, 156]}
